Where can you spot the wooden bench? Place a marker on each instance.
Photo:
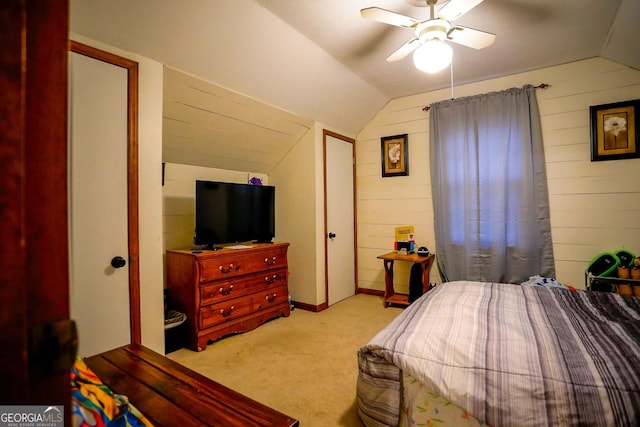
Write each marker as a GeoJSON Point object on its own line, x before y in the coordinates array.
{"type": "Point", "coordinates": [169, 394]}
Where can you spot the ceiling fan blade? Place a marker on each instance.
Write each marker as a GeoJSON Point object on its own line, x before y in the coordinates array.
{"type": "Point", "coordinates": [471, 38]}
{"type": "Point", "coordinates": [404, 50]}
{"type": "Point", "coordinates": [456, 8]}
{"type": "Point", "coordinates": [388, 17]}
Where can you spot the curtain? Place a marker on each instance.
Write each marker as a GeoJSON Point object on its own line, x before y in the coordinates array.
{"type": "Point", "coordinates": [489, 187]}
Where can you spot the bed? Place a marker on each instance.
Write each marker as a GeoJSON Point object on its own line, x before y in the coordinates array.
{"type": "Point", "coordinates": [471, 353]}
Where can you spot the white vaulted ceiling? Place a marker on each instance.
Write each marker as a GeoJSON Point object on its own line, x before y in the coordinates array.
{"type": "Point", "coordinates": [245, 78]}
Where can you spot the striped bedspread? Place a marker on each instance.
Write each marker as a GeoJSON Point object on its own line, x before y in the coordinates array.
{"type": "Point", "coordinates": [510, 355]}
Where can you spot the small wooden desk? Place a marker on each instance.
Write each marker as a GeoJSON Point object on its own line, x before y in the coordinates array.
{"type": "Point", "coordinates": [390, 296]}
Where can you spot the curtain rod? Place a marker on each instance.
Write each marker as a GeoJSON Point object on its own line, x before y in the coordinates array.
{"type": "Point", "coordinates": [540, 86]}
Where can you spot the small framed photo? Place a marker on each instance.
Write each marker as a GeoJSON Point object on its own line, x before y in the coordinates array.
{"type": "Point", "coordinates": [394, 151]}
{"type": "Point", "coordinates": [614, 130]}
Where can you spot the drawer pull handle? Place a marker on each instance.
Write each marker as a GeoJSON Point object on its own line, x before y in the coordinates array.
{"type": "Point", "coordinates": [271, 298]}
{"type": "Point", "coordinates": [226, 313]}
{"type": "Point", "coordinates": [226, 270]}
{"type": "Point", "coordinates": [270, 261]}
{"type": "Point", "coordinates": [227, 291]}
{"type": "Point", "coordinates": [271, 279]}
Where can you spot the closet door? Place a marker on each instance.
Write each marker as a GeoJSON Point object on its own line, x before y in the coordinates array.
{"type": "Point", "coordinates": [99, 292]}
{"type": "Point", "coordinates": [340, 217]}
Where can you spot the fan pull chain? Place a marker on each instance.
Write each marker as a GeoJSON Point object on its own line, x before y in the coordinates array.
{"type": "Point", "coordinates": [451, 68]}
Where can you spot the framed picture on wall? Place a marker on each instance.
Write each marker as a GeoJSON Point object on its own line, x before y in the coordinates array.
{"type": "Point", "coordinates": [614, 130]}
{"type": "Point", "coordinates": [394, 152]}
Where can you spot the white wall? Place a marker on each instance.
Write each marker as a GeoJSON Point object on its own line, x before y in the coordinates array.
{"type": "Point", "coordinates": [577, 186]}
{"type": "Point", "coordinates": [149, 201]}
{"type": "Point", "coordinates": [295, 181]}
{"type": "Point", "coordinates": [595, 206]}
{"type": "Point", "coordinates": [300, 180]}
{"type": "Point", "coordinates": [178, 198]}
{"type": "Point", "coordinates": [296, 188]}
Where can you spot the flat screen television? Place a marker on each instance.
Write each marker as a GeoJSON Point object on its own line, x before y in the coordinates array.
{"type": "Point", "coordinates": [229, 212]}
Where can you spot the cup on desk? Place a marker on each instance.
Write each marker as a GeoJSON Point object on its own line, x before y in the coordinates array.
{"type": "Point", "coordinates": [403, 251]}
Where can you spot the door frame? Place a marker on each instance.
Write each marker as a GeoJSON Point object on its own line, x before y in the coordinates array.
{"type": "Point", "coordinates": [132, 176]}
{"type": "Point", "coordinates": [325, 134]}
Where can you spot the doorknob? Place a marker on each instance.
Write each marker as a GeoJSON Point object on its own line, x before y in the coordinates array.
{"type": "Point", "coordinates": [118, 262]}
{"type": "Point", "coordinates": [332, 235]}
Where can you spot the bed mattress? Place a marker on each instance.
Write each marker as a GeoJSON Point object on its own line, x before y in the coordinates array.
{"type": "Point", "coordinates": [508, 355]}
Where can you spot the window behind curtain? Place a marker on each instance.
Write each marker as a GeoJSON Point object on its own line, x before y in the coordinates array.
{"type": "Point", "coordinates": [489, 188]}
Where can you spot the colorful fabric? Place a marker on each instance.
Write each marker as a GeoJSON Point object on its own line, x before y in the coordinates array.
{"type": "Point", "coordinates": [96, 405]}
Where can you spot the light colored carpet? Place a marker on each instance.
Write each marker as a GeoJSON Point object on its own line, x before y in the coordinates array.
{"type": "Point", "coordinates": [304, 365]}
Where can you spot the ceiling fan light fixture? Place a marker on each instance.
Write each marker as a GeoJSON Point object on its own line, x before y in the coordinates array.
{"type": "Point", "coordinates": [432, 29]}
{"type": "Point", "coordinates": [433, 56]}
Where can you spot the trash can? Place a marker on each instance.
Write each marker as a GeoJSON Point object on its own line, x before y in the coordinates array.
{"type": "Point", "coordinates": [175, 331]}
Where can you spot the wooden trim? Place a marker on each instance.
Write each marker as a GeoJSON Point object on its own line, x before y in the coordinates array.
{"type": "Point", "coordinates": [310, 307]}
{"type": "Point", "coordinates": [352, 141]}
{"type": "Point", "coordinates": [367, 291]}
{"type": "Point", "coordinates": [325, 227]}
{"type": "Point", "coordinates": [12, 208]}
{"type": "Point", "coordinates": [33, 201]}
{"type": "Point", "coordinates": [13, 253]}
{"type": "Point", "coordinates": [132, 201]}
{"type": "Point", "coordinates": [101, 55]}
{"type": "Point", "coordinates": [45, 187]}
{"type": "Point", "coordinates": [132, 176]}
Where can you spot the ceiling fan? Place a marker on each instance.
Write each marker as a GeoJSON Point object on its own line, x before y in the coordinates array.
{"type": "Point", "coordinates": [431, 53]}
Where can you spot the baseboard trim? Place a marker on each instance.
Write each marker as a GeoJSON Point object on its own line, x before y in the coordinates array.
{"type": "Point", "coordinates": [310, 307]}
{"type": "Point", "coordinates": [375, 292]}
{"type": "Point", "coordinates": [324, 305]}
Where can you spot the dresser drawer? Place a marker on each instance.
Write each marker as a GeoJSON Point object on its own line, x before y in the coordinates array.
{"type": "Point", "coordinates": [228, 291]}
{"type": "Point", "coordinates": [232, 265]}
{"type": "Point", "coordinates": [269, 297]}
{"type": "Point", "coordinates": [218, 291]}
{"type": "Point", "coordinates": [225, 312]}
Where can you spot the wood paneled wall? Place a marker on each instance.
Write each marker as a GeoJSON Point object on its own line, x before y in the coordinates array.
{"type": "Point", "coordinates": [595, 206]}
{"type": "Point", "coordinates": [178, 194]}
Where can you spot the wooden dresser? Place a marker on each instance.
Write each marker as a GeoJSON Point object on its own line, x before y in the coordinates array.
{"type": "Point", "coordinates": [228, 290]}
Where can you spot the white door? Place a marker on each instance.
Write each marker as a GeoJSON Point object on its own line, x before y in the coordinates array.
{"type": "Point", "coordinates": [340, 232]}
{"type": "Point", "coordinates": [99, 292]}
